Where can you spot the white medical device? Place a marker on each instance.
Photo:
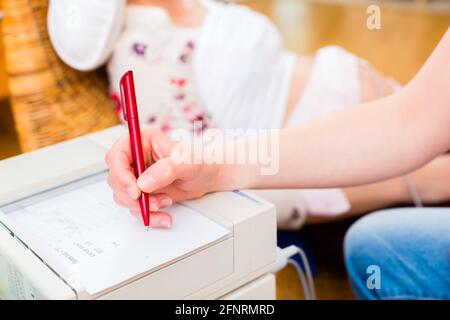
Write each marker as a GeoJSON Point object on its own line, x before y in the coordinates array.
{"type": "Point", "coordinates": [39, 233]}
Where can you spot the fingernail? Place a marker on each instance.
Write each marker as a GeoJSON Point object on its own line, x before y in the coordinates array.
{"type": "Point", "coordinates": [166, 202]}
{"type": "Point", "coordinates": [165, 223]}
{"type": "Point", "coordinates": [153, 205]}
{"type": "Point", "coordinates": [146, 182]}
{"type": "Point", "coordinates": [133, 192]}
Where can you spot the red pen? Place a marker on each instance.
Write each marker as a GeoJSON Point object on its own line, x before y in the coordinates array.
{"type": "Point", "coordinates": [130, 115]}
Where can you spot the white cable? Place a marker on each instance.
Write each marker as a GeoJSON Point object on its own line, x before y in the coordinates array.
{"type": "Point", "coordinates": [309, 276]}
{"type": "Point", "coordinates": [301, 275]}
{"type": "Point", "coordinates": [307, 281]}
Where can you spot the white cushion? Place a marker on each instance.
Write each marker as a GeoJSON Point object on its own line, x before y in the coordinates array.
{"type": "Point", "coordinates": [83, 32]}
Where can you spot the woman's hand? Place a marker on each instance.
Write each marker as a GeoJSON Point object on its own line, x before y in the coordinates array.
{"type": "Point", "coordinates": [165, 180]}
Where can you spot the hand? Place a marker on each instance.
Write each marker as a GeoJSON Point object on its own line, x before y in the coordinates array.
{"type": "Point", "coordinates": [164, 179]}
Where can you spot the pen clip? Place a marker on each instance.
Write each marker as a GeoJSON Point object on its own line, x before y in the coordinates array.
{"type": "Point", "coordinates": [123, 102]}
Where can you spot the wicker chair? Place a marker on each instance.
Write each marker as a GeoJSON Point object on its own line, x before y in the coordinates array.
{"type": "Point", "coordinates": [50, 101]}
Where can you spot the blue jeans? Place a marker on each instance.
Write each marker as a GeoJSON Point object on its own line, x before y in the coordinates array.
{"type": "Point", "coordinates": [400, 254]}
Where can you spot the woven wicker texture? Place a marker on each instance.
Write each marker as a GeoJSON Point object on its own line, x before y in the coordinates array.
{"type": "Point", "coordinates": [50, 101]}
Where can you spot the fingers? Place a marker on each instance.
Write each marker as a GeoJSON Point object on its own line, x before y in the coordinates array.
{"type": "Point", "coordinates": [122, 181]}
{"type": "Point", "coordinates": [137, 215]}
{"type": "Point", "coordinates": [161, 174]}
{"type": "Point", "coordinates": [121, 175]}
{"type": "Point", "coordinates": [179, 194]}
{"type": "Point", "coordinates": [157, 219]}
{"type": "Point", "coordinates": [160, 220]}
{"type": "Point", "coordinates": [156, 201]}
{"type": "Point", "coordinates": [119, 202]}
{"type": "Point", "coordinates": [123, 200]}
{"type": "Point", "coordinates": [161, 200]}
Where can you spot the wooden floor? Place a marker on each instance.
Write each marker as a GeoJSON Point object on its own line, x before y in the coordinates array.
{"type": "Point", "coordinates": [324, 244]}
{"type": "Point", "coordinates": [399, 49]}
{"type": "Point", "coordinates": [329, 286]}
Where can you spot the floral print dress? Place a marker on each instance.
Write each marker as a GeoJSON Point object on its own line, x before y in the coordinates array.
{"type": "Point", "coordinates": [161, 56]}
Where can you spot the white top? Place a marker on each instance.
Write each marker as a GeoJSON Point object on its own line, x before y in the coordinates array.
{"type": "Point", "coordinates": [235, 68]}
{"type": "Point", "coordinates": [243, 73]}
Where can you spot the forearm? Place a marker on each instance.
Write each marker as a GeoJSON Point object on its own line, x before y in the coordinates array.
{"type": "Point", "coordinates": [368, 143]}
{"type": "Point", "coordinates": [342, 150]}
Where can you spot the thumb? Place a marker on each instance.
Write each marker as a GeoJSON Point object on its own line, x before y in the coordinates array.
{"type": "Point", "coordinates": [159, 175]}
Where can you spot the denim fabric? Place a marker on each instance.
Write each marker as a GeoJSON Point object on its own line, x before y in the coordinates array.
{"type": "Point", "coordinates": [407, 249]}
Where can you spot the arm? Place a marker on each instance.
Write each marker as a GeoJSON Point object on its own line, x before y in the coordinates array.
{"type": "Point", "coordinates": [374, 141]}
